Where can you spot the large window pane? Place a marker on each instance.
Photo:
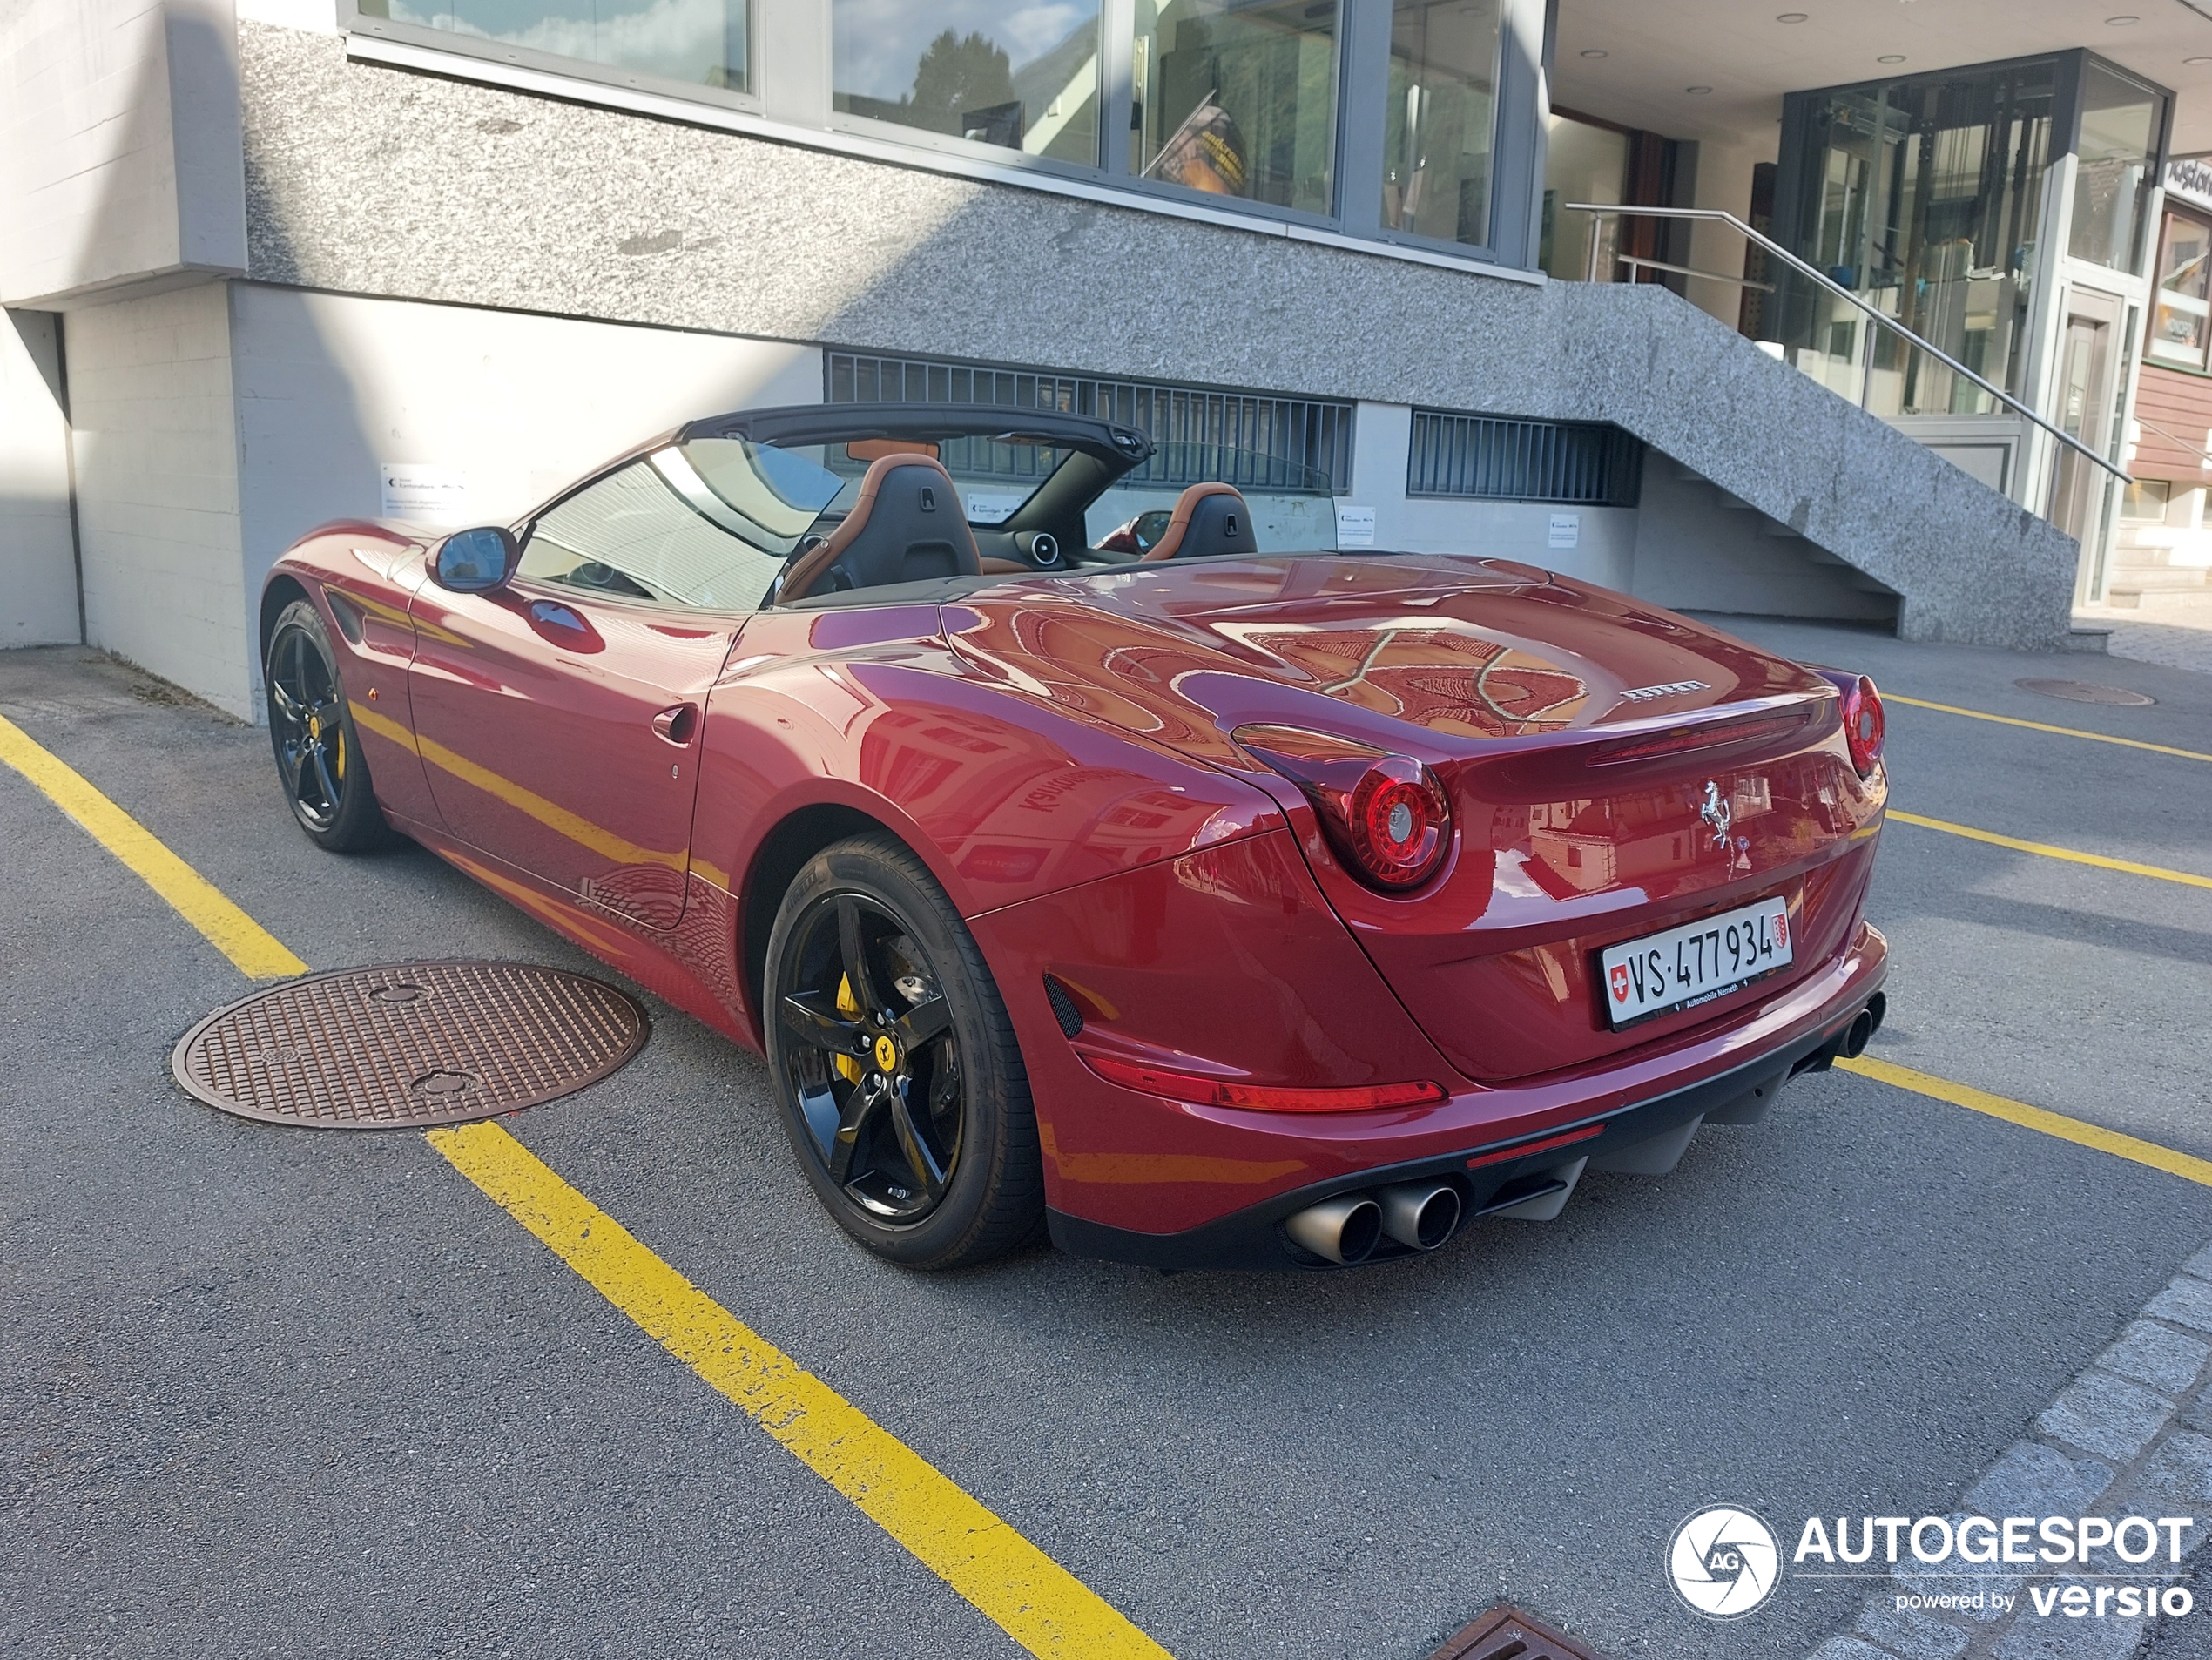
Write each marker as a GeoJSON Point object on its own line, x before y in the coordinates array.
{"type": "Point", "coordinates": [2178, 326]}
{"type": "Point", "coordinates": [1238, 100]}
{"type": "Point", "coordinates": [2119, 123]}
{"type": "Point", "coordinates": [1443, 102]}
{"type": "Point", "coordinates": [702, 42]}
{"type": "Point", "coordinates": [1925, 197]}
{"type": "Point", "coordinates": [1022, 74]}
{"type": "Point", "coordinates": [1581, 164]}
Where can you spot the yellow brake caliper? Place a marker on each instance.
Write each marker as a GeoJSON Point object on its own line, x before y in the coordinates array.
{"type": "Point", "coordinates": [847, 1004]}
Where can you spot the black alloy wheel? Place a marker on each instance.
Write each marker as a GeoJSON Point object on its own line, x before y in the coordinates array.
{"type": "Point", "coordinates": [318, 757]}
{"type": "Point", "coordinates": [896, 1067]}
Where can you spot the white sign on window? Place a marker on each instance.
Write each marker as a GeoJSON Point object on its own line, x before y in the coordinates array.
{"type": "Point", "coordinates": [990, 507]}
{"type": "Point", "coordinates": [426, 494]}
{"type": "Point", "coordinates": [1566, 530]}
{"type": "Point", "coordinates": [1355, 526]}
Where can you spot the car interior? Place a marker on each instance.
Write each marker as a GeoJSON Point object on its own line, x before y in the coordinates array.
{"type": "Point", "coordinates": [827, 504]}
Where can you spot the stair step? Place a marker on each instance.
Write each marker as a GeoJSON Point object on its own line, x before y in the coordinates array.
{"type": "Point", "coordinates": [2147, 579]}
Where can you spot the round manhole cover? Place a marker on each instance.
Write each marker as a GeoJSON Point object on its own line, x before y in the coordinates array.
{"type": "Point", "coordinates": [2084, 691]}
{"type": "Point", "coordinates": [421, 1043]}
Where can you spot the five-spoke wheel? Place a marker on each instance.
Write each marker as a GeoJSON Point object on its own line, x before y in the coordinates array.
{"type": "Point", "coordinates": [895, 1063]}
{"type": "Point", "coordinates": [325, 778]}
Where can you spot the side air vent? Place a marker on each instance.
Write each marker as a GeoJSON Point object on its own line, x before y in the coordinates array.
{"type": "Point", "coordinates": [1488, 458]}
{"type": "Point", "coordinates": [1064, 1008]}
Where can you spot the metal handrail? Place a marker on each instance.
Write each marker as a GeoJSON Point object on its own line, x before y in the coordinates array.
{"type": "Point", "coordinates": [1842, 293]}
{"type": "Point", "coordinates": [2177, 440]}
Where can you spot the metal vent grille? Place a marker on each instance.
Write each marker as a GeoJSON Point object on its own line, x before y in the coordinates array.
{"type": "Point", "coordinates": [1506, 1633]}
{"type": "Point", "coordinates": [1252, 441]}
{"type": "Point", "coordinates": [1491, 458]}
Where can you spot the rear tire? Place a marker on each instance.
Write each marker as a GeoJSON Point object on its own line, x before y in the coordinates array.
{"type": "Point", "coordinates": [896, 1064]}
{"type": "Point", "coordinates": [311, 729]}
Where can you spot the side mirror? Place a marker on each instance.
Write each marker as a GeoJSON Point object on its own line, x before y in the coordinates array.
{"type": "Point", "coordinates": [468, 562]}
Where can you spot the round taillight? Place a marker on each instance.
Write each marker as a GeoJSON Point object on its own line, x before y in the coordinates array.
{"type": "Point", "coordinates": [1385, 815]}
{"type": "Point", "coordinates": [1864, 725]}
{"type": "Point", "coordinates": [1398, 822]}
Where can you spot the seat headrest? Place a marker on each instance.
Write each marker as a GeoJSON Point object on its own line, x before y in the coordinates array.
{"type": "Point", "coordinates": [1210, 521]}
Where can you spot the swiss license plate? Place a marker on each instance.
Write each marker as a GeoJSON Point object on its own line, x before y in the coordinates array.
{"type": "Point", "coordinates": [1695, 963]}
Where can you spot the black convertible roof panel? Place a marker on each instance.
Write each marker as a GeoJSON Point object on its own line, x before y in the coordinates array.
{"type": "Point", "coordinates": [821, 424]}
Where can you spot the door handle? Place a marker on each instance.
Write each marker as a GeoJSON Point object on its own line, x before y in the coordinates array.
{"type": "Point", "coordinates": [676, 726]}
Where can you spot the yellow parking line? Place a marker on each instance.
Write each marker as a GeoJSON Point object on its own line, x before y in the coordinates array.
{"type": "Point", "coordinates": [2048, 851]}
{"type": "Point", "coordinates": [2037, 725]}
{"type": "Point", "coordinates": [1036, 1601]}
{"type": "Point", "coordinates": [230, 931]}
{"type": "Point", "coordinates": [2019, 1112]}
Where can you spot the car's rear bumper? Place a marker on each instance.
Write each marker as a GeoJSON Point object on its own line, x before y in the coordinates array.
{"type": "Point", "coordinates": [1734, 1080]}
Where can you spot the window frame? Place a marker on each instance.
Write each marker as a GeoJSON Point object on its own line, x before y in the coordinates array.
{"type": "Point", "coordinates": [749, 102]}
{"type": "Point", "coordinates": [790, 99]}
{"type": "Point", "coordinates": [2151, 355]}
{"type": "Point", "coordinates": [883, 132]}
{"type": "Point", "coordinates": [1499, 58]}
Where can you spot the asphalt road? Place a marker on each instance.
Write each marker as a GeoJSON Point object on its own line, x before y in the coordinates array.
{"type": "Point", "coordinates": [284, 1392]}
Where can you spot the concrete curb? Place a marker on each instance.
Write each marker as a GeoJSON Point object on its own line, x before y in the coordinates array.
{"type": "Point", "coordinates": [2131, 1435]}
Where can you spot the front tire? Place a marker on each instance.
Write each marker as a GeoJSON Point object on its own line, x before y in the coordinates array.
{"type": "Point", "coordinates": [319, 757]}
{"type": "Point", "coordinates": [896, 1064]}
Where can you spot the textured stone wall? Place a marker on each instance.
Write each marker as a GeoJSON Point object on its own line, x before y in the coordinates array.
{"type": "Point", "coordinates": [376, 181]}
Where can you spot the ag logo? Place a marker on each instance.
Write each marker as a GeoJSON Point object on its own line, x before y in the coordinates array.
{"type": "Point", "coordinates": [1723, 1562]}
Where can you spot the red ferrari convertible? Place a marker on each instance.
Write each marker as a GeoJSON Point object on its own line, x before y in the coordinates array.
{"type": "Point", "coordinates": [1209, 906]}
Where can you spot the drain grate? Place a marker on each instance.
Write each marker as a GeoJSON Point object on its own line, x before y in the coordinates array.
{"type": "Point", "coordinates": [1506, 1633]}
{"type": "Point", "coordinates": [2087, 691]}
{"type": "Point", "coordinates": [412, 1044]}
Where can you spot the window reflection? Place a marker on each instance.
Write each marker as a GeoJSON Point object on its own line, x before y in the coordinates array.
{"type": "Point", "coordinates": [1925, 197]}
{"type": "Point", "coordinates": [1022, 74]}
{"type": "Point", "coordinates": [2120, 130]}
{"type": "Point", "coordinates": [2178, 326]}
{"type": "Point", "coordinates": [1238, 99]}
{"type": "Point", "coordinates": [704, 43]}
{"type": "Point", "coordinates": [1581, 164]}
{"type": "Point", "coordinates": [1443, 97]}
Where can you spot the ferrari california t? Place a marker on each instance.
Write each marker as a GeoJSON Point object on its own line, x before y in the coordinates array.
{"type": "Point", "coordinates": [1098, 871]}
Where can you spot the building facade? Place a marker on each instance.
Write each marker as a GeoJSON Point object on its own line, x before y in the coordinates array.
{"type": "Point", "coordinates": [284, 261]}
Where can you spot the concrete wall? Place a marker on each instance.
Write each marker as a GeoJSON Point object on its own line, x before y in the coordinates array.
{"type": "Point", "coordinates": [1694, 552]}
{"type": "Point", "coordinates": [330, 388]}
{"type": "Point", "coordinates": [1604, 537]}
{"type": "Point", "coordinates": [120, 155]}
{"type": "Point", "coordinates": [158, 489]}
{"type": "Point", "coordinates": [486, 197]}
{"type": "Point", "coordinates": [37, 549]}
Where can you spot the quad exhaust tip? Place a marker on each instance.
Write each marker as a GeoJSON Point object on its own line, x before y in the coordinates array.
{"type": "Point", "coordinates": [1347, 1229]}
{"type": "Point", "coordinates": [1421, 1215]}
{"type": "Point", "coordinates": [1343, 1229]}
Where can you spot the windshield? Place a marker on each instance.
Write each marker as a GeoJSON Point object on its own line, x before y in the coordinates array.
{"type": "Point", "coordinates": [769, 496]}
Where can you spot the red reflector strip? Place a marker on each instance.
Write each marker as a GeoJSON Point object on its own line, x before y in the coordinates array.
{"type": "Point", "coordinates": [1527, 1147]}
{"type": "Point", "coordinates": [1262, 1097]}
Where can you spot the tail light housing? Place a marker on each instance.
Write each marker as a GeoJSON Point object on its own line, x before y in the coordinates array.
{"type": "Point", "coordinates": [1865, 723]}
{"type": "Point", "coordinates": [1386, 815]}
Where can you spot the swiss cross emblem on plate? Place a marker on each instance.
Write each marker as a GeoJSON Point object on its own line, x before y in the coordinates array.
{"type": "Point", "coordinates": [1620, 983]}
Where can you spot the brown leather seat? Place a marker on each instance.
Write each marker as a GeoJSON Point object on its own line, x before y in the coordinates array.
{"type": "Point", "coordinates": [907, 524]}
{"type": "Point", "coordinates": [1209, 521]}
